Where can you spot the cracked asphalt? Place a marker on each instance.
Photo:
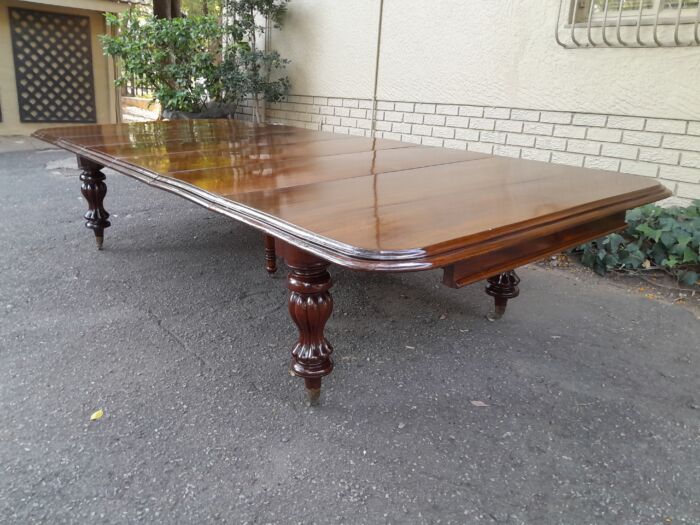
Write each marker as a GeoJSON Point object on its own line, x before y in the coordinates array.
{"type": "Point", "coordinates": [592, 394]}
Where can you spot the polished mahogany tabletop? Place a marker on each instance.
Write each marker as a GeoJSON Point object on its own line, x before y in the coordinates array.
{"type": "Point", "coordinates": [366, 203]}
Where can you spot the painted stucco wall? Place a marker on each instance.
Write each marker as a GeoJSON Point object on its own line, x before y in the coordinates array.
{"type": "Point", "coordinates": [503, 53]}
{"type": "Point", "coordinates": [332, 46]}
{"type": "Point", "coordinates": [482, 52]}
{"type": "Point", "coordinates": [105, 93]}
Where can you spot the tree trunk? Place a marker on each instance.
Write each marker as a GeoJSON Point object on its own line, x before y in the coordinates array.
{"type": "Point", "coordinates": [162, 8]}
{"type": "Point", "coordinates": [166, 8]}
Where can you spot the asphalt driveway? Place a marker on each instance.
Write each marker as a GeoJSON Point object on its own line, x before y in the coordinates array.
{"type": "Point", "coordinates": [592, 395]}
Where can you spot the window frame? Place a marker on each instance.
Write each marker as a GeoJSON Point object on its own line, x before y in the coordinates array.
{"type": "Point", "coordinates": [581, 10]}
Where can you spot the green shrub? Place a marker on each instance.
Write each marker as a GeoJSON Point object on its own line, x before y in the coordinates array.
{"type": "Point", "coordinates": [656, 238]}
{"type": "Point", "coordinates": [192, 62]}
{"type": "Point", "coordinates": [176, 58]}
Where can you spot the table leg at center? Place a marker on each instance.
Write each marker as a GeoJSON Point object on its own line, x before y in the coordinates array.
{"type": "Point", "coordinates": [310, 307]}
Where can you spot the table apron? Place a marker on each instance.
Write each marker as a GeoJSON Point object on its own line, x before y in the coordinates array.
{"type": "Point", "coordinates": [484, 265]}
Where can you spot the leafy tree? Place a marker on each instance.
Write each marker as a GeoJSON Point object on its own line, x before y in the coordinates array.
{"type": "Point", "coordinates": [194, 61]}
{"type": "Point", "coordinates": [260, 66]}
{"type": "Point", "coordinates": [247, 14]}
{"type": "Point", "coordinates": [178, 58]}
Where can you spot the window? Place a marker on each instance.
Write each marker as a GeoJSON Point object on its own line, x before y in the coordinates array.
{"type": "Point", "coordinates": [628, 23]}
{"type": "Point", "coordinates": [632, 10]}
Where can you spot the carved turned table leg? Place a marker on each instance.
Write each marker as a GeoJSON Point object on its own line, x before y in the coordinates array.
{"type": "Point", "coordinates": [94, 190]}
{"type": "Point", "coordinates": [270, 255]}
{"type": "Point", "coordinates": [310, 306]}
{"type": "Point", "coordinates": [502, 287]}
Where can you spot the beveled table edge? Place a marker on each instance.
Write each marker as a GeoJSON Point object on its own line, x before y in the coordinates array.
{"type": "Point", "coordinates": [361, 259]}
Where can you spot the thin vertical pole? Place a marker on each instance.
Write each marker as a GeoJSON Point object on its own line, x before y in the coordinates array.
{"type": "Point", "coordinates": [376, 69]}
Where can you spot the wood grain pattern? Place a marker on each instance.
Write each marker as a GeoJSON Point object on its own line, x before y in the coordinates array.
{"type": "Point", "coordinates": [363, 203]}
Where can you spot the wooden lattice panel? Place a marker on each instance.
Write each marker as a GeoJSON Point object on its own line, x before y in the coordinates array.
{"type": "Point", "coordinates": [53, 66]}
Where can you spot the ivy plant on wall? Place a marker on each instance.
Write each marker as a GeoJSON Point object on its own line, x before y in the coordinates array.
{"type": "Point", "coordinates": [658, 238]}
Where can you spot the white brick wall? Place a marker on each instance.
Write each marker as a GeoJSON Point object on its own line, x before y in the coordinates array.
{"type": "Point", "coordinates": [660, 148]}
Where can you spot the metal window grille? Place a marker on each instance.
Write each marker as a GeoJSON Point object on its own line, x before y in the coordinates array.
{"type": "Point", "coordinates": [628, 23]}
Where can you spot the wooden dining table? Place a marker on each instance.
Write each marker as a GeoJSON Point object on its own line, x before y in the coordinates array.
{"type": "Point", "coordinates": [367, 204]}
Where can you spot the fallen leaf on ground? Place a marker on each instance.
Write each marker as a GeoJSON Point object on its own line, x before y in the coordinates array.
{"type": "Point", "coordinates": [478, 403]}
{"type": "Point", "coordinates": [96, 416]}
